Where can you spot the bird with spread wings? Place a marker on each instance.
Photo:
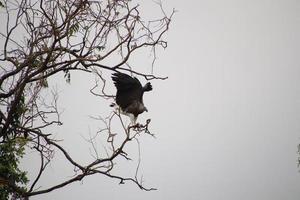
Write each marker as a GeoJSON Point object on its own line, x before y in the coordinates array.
{"type": "Point", "coordinates": [129, 95]}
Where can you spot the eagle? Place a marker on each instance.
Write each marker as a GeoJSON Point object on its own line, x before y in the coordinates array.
{"type": "Point", "coordinates": [129, 95]}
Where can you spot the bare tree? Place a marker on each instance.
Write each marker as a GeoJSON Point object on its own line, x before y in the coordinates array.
{"type": "Point", "coordinates": [42, 38]}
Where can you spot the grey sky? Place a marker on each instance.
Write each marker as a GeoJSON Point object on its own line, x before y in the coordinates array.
{"type": "Point", "coordinates": [226, 120]}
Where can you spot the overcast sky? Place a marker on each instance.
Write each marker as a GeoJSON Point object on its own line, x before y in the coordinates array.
{"type": "Point", "coordinates": [227, 120]}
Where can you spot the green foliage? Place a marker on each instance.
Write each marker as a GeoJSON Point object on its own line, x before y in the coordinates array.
{"type": "Point", "coordinates": [11, 151]}
{"type": "Point", "coordinates": [100, 48]}
{"type": "Point", "coordinates": [74, 28]}
{"type": "Point", "coordinates": [67, 76]}
{"type": "Point", "coordinates": [299, 155]}
{"type": "Point", "coordinates": [44, 82]}
{"type": "Point", "coordinates": [11, 176]}
{"type": "Point", "coordinates": [20, 109]}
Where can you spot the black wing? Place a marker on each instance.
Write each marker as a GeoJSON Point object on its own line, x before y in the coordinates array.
{"type": "Point", "coordinates": [129, 89]}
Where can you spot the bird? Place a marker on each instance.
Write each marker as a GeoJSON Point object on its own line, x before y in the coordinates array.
{"type": "Point", "coordinates": [129, 97]}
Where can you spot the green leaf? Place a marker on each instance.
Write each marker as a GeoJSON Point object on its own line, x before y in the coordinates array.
{"type": "Point", "coordinates": [100, 48]}
{"type": "Point", "coordinates": [11, 151]}
{"type": "Point", "coordinates": [67, 76]}
{"type": "Point", "coordinates": [44, 82]}
{"type": "Point", "coordinates": [73, 29]}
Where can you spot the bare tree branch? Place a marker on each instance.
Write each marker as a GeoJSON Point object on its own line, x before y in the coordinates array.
{"type": "Point", "coordinates": [63, 36]}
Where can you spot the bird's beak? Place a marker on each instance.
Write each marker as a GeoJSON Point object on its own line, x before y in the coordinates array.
{"type": "Point", "coordinates": [146, 109]}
